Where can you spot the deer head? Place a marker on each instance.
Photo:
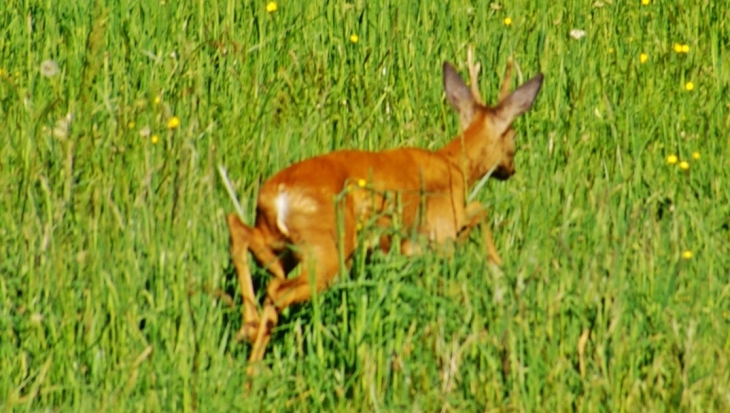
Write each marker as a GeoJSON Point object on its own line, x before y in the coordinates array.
{"type": "Point", "coordinates": [488, 130]}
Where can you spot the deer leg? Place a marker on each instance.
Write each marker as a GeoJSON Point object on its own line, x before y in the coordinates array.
{"type": "Point", "coordinates": [282, 293]}
{"type": "Point", "coordinates": [243, 240]}
{"type": "Point", "coordinates": [242, 237]}
{"type": "Point", "coordinates": [476, 215]}
{"type": "Point", "coordinates": [240, 242]}
{"type": "Point", "coordinates": [263, 335]}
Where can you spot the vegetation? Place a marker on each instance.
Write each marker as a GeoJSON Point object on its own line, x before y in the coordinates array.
{"type": "Point", "coordinates": [114, 117]}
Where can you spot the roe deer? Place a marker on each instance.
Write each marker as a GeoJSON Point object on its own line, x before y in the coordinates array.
{"type": "Point", "coordinates": [297, 217]}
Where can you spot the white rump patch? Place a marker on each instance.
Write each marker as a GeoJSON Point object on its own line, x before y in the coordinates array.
{"type": "Point", "coordinates": [291, 202]}
{"type": "Point", "coordinates": [282, 210]}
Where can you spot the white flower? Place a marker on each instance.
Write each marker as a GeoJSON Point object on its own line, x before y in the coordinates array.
{"type": "Point", "coordinates": [36, 318]}
{"type": "Point", "coordinates": [499, 294]}
{"type": "Point", "coordinates": [145, 132]}
{"type": "Point", "coordinates": [577, 34]}
{"type": "Point", "coordinates": [49, 68]}
{"type": "Point", "coordinates": [62, 126]}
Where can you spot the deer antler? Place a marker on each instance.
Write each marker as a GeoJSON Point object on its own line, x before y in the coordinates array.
{"type": "Point", "coordinates": [474, 76]}
{"type": "Point", "coordinates": [504, 90]}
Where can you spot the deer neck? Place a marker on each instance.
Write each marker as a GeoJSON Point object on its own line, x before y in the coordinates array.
{"type": "Point", "coordinates": [473, 153]}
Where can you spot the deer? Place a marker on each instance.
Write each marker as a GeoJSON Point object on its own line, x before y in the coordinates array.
{"type": "Point", "coordinates": [310, 213]}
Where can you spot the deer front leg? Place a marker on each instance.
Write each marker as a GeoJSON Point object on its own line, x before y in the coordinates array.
{"type": "Point", "coordinates": [476, 215]}
{"type": "Point", "coordinates": [241, 238]}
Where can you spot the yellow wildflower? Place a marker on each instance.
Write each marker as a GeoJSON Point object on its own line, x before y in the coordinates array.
{"type": "Point", "coordinates": [645, 2]}
{"type": "Point", "coordinates": [173, 122]}
{"type": "Point", "coordinates": [643, 58]}
{"type": "Point", "coordinates": [155, 138]}
{"type": "Point", "coordinates": [687, 255]}
{"type": "Point", "coordinates": [689, 86]}
{"type": "Point", "coordinates": [361, 183]}
{"type": "Point", "coordinates": [684, 165]}
{"type": "Point", "coordinates": [681, 48]}
{"type": "Point", "coordinates": [695, 155]}
{"type": "Point", "coordinates": [130, 124]}
{"type": "Point", "coordinates": [672, 159]}
{"type": "Point", "coordinates": [507, 21]}
{"type": "Point", "coordinates": [271, 7]}
{"type": "Point", "coordinates": [354, 38]}
{"type": "Point", "coordinates": [157, 100]}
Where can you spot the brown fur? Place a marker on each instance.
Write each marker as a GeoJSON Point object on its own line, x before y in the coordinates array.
{"type": "Point", "coordinates": [297, 207]}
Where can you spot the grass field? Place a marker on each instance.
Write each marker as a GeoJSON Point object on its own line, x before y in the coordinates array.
{"type": "Point", "coordinates": [615, 231]}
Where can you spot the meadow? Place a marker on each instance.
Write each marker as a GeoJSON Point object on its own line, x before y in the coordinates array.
{"type": "Point", "coordinates": [116, 288]}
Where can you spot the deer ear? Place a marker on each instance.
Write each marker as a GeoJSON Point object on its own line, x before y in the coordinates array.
{"type": "Point", "coordinates": [459, 95]}
{"type": "Point", "coordinates": [517, 103]}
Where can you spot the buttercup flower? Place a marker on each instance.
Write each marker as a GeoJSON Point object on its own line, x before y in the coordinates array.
{"type": "Point", "coordinates": [643, 58]}
{"type": "Point", "coordinates": [684, 165]}
{"type": "Point", "coordinates": [155, 138]}
{"type": "Point", "coordinates": [672, 159]}
{"type": "Point", "coordinates": [354, 38]}
{"type": "Point", "coordinates": [507, 21]}
{"type": "Point", "coordinates": [645, 2]}
{"type": "Point", "coordinates": [689, 86]}
{"type": "Point", "coordinates": [271, 7]}
{"type": "Point", "coordinates": [173, 122]}
{"type": "Point", "coordinates": [695, 155]}
{"type": "Point", "coordinates": [687, 255]}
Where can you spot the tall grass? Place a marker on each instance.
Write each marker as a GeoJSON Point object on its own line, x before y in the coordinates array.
{"type": "Point", "coordinates": [614, 295]}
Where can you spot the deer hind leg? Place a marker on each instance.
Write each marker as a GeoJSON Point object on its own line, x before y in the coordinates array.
{"type": "Point", "coordinates": [319, 265]}
{"type": "Point", "coordinates": [243, 240]}
{"type": "Point", "coordinates": [476, 215]}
